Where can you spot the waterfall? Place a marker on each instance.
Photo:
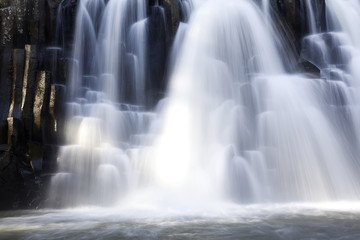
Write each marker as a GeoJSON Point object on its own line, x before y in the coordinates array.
{"type": "Point", "coordinates": [234, 125]}
{"type": "Point", "coordinates": [311, 16]}
{"type": "Point", "coordinates": [108, 72]}
{"type": "Point", "coordinates": [186, 8]}
{"type": "Point", "coordinates": [266, 7]}
{"type": "Point", "coordinates": [200, 93]}
{"type": "Point", "coordinates": [341, 16]}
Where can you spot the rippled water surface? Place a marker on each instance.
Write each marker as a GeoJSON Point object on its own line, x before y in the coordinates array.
{"type": "Point", "coordinates": [291, 221]}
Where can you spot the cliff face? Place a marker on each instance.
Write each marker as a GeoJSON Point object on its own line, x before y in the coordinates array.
{"type": "Point", "coordinates": [35, 50]}
{"type": "Point", "coordinates": [33, 70]}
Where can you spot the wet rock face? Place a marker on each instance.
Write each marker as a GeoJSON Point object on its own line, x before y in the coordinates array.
{"type": "Point", "coordinates": [172, 12]}
{"type": "Point", "coordinates": [163, 22]}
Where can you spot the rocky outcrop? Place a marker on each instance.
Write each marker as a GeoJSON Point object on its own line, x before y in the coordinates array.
{"type": "Point", "coordinates": [30, 99]}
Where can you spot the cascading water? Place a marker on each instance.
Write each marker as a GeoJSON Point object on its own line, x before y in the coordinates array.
{"type": "Point", "coordinates": [234, 125]}
{"type": "Point", "coordinates": [193, 149]}
{"type": "Point", "coordinates": [109, 67]}
{"type": "Point", "coordinates": [348, 51]}
{"type": "Point", "coordinates": [311, 17]}
{"type": "Point", "coordinates": [186, 8]}
{"type": "Point", "coordinates": [336, 55]}
{"type": "Point", "coordinates": [238, 148]}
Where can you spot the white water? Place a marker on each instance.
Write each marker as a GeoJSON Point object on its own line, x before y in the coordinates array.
{"type": "Point", "coordinates": [311, 17]}
{"type": "Point", "coordinates": [267, 222]}
{"type": "Point", "coordinates": [233, 127]}
{"type": "Point", "coordinates": [109, 66]}
{"type": "Point", "coordinates": [193, 149]}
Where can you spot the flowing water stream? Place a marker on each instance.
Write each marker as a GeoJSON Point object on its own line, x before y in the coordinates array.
{"type": "Point", "coordinates": [238, 148]}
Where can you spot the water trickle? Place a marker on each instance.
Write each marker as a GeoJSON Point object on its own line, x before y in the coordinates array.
{"type": "Point", "coordinates": [311, 16]}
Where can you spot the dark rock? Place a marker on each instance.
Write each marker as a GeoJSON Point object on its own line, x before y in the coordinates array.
{"type": "Point", "coordinates": [36, 153]}
{"type": "Point", "coordinates": [11, 183]}
{"type": "Point", "coordinates": [52, 54]}
{"type": "Point", "coordinates": [57, 113]}
{"type": "Point", "coordinates": [53, 20]}
{"type": "Point", "coordinates": [287, 43]}
{"type": "Point", "coordinates": [5, 82]}
{"type": "Point", "coordinates": [43, 35]}
{"type": "Point", "coordinates": [310, 68]}
{"type": "Point", "coordinates": [290, 11]}
{"type": "Point", "coordinates": [31, 109]}
{"type": "Point", "coordinates": [7, 26]}
{"type": "Point", "coordinates": [19, 31]}
{"type": "Point", "coordinates": [172, 16]}
{"type": "Point", "coordinates": [41, 107]}
{"type": "Point", "coordinates": [50, 158]}
{"type": "Point", "coordinates": [4, 148]}
{"type": "Point", "coordinates": [157, 54]}
{"type": "Point", "coordinates": [5, 3]}
{"type": "Point", "coordinates": [129, 72]}
{"type": "Point", "coordinates": [63, 70]}
{"type": "Point", "coordinates": [68, 13]}
{"type": "Point", "coordinates": [17, 83]}
{"type": "Point", "coordinates": [31, 64]}
{"type": "Point", "coordinates": [16, 136]}
{"type": "Point", "coordinates": [3, 132]}
{"type": "Point", "coordinates": [4, 160]}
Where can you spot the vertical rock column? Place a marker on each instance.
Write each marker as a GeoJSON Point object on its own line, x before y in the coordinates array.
{"type": "Point", "coordinates": [17, 83]}
{"type": "Point", "coordinates": [41, 106]}
{"type": "Point", "coordinates": [31, 105]}
{"type": "Point", "coordinates": [28, 92]}
{"type": "Point", "coordinates": [6, 40]}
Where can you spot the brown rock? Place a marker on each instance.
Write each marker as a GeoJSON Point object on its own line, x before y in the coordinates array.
{"type": "Point", "coordinates": [41, 105]}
